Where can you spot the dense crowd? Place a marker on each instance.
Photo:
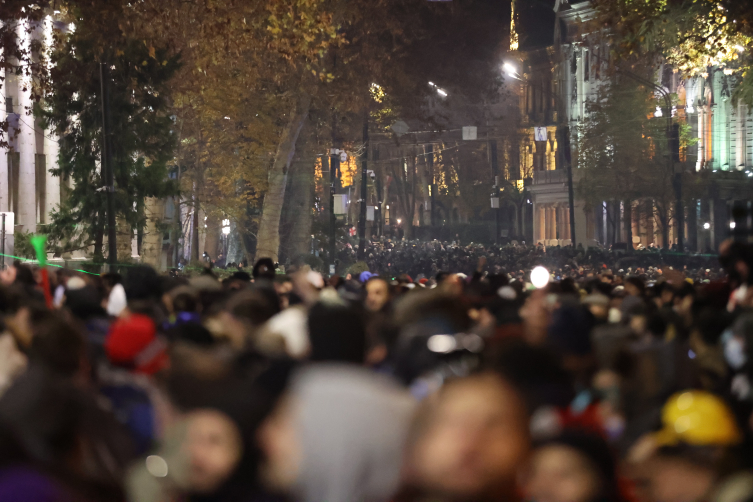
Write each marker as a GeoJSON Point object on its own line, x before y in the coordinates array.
{"type": "Point", "coordinates": [441, 374]}
{"type": "Point", "coordinates": [426, 259]}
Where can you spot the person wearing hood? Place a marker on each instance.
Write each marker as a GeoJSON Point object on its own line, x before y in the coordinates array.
{"type": "Point", "coordinates": [337, 435]}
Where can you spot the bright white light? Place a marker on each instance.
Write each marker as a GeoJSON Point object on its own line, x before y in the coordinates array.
{"type": "Point", "coordinates": [658, 112]}
{"type": "Point", "coordinates": [509, 68]}
{"type": "Point", "coordinates": [399, 221]}
{"type": "Point", "coordinates": [388, 206]}
{"type": "Point", "coordinates": [732, 225]}
{"type": "Point", "coordinates": [707, 225]}
{"type": "Point", "coordinates": [740, 48]}
{"type": "Point", "coordinates": [432, 84]}
{"type": "Point", "coordinates": [227, 118]}
{"type": "Point", "coordinates": [539, 277]}
{"type": "Point", "coordinates": [226, 230]}
{"type": "Point", "coordinates": [442, 93]}
{"type": "Point", "coordinates": [443, 344]}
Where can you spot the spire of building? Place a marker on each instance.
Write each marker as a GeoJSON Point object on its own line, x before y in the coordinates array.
{"type": "Point", "coordinates": [513, 30]}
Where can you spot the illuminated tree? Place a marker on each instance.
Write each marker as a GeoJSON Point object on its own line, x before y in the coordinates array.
{"type": "Point", "coordinates": [692, 35]}
{"type": "Point", "coordinates": [621, 150]}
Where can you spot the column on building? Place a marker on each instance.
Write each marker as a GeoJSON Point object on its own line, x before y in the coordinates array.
{"type": "Point", "coordinates": [27, 147]}
{"type": "Point", "coordinates": [544, 222]}
{"type": "Point", "coordinates": [538, 223]}
{"type": "Point", "coordinates": [555, 221]}
{"type": "Point", "coordinates": [3, 152]}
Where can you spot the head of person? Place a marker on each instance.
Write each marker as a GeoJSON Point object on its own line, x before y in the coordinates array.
{"type": "Point", "coordinates": [56, 345]}
{"type": "Point", "coordinates": [693, 450]}
{"type": "Point", "coordinates": [576, 466]}
{"type": "Point", "coordinates": [143, 290]}
{"type": "Point", "coordinates": [634, 286]}
{"type": "Point", "coordinates": [50, 425]}
{"type": "Point", "coordinates": [85, 303]}
{"type": "Point", "coordinates": [450, 283]}
{"type": "Point", "coordinates": [337, 435]}
{"type": "Point", "coordinates": [264, 269]}
{"type": "Point", "coordinates": [337, 333]}
{"type": "Point", "coordinates": [133, 343]}
{"type": "Point", "coordinates": [469, 440]}
{"type": "Point", "coordinates": [18, 273]}
{"type": "Point", "coordinates": [210, 453]}
{"type": "Point", "coordinates": [377, 294]}
{"type": "Point", "coordinates": [246, 311]}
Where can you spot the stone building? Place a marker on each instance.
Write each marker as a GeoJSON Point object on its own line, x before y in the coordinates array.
{"type": "Point", "coordinates": [554, 85]}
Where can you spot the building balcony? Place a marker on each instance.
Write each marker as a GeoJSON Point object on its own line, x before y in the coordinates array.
{"type": "Point", "coordinates": [550, 177]}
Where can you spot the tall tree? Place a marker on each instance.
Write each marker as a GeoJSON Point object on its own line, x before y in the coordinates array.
{"type": "Point", "coordinates": [142, 129]}
{"type": "Point", "coordinates": [691, 34]}
{"type": "Point", "coordinates": [621, 150]}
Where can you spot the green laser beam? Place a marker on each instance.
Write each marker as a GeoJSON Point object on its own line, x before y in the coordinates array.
{"type": "Point", "coordinates": [27, 260]}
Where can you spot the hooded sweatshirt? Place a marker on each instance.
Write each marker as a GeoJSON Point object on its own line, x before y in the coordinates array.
{"type": "Point", "coordinates": [352, 425]}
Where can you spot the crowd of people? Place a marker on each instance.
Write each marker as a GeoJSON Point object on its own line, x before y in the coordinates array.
{"type": "Point", "coordinates": [426, 259]}
{"type": "Point", "coordinates": [441, 374]}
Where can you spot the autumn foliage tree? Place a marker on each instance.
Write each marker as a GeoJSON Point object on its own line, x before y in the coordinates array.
{"type": "Point", "coordinates": [692, 35]}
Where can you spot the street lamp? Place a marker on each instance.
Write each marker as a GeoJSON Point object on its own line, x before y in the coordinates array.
{"type": "Point", "coordinates": [706, 226]}
{"type": "Point", "coordinates": [494, 200]}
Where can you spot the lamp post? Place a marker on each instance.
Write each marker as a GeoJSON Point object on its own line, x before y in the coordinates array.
{"type": "Point", "coordinates": [494, 199]}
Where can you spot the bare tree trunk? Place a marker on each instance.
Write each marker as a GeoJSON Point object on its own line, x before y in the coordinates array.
{"type": "Point", "coordinates": [212, 236]}
{"type": "Point", "coordinates": [629, 224]}
{"type": "Point", "coordinates": [268, 242]}
{"type": "Point", "coordinates": [301, 204]}
{"type": "Point", "coordinates": [195, 234]}
{"type": "Point", "coordinates": [99, 232]}
{"type": "Point", "coordinates": [151, 245]}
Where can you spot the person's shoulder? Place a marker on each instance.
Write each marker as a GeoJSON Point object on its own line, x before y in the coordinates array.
{"type": "Point", "coordinates": [25, 484]}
